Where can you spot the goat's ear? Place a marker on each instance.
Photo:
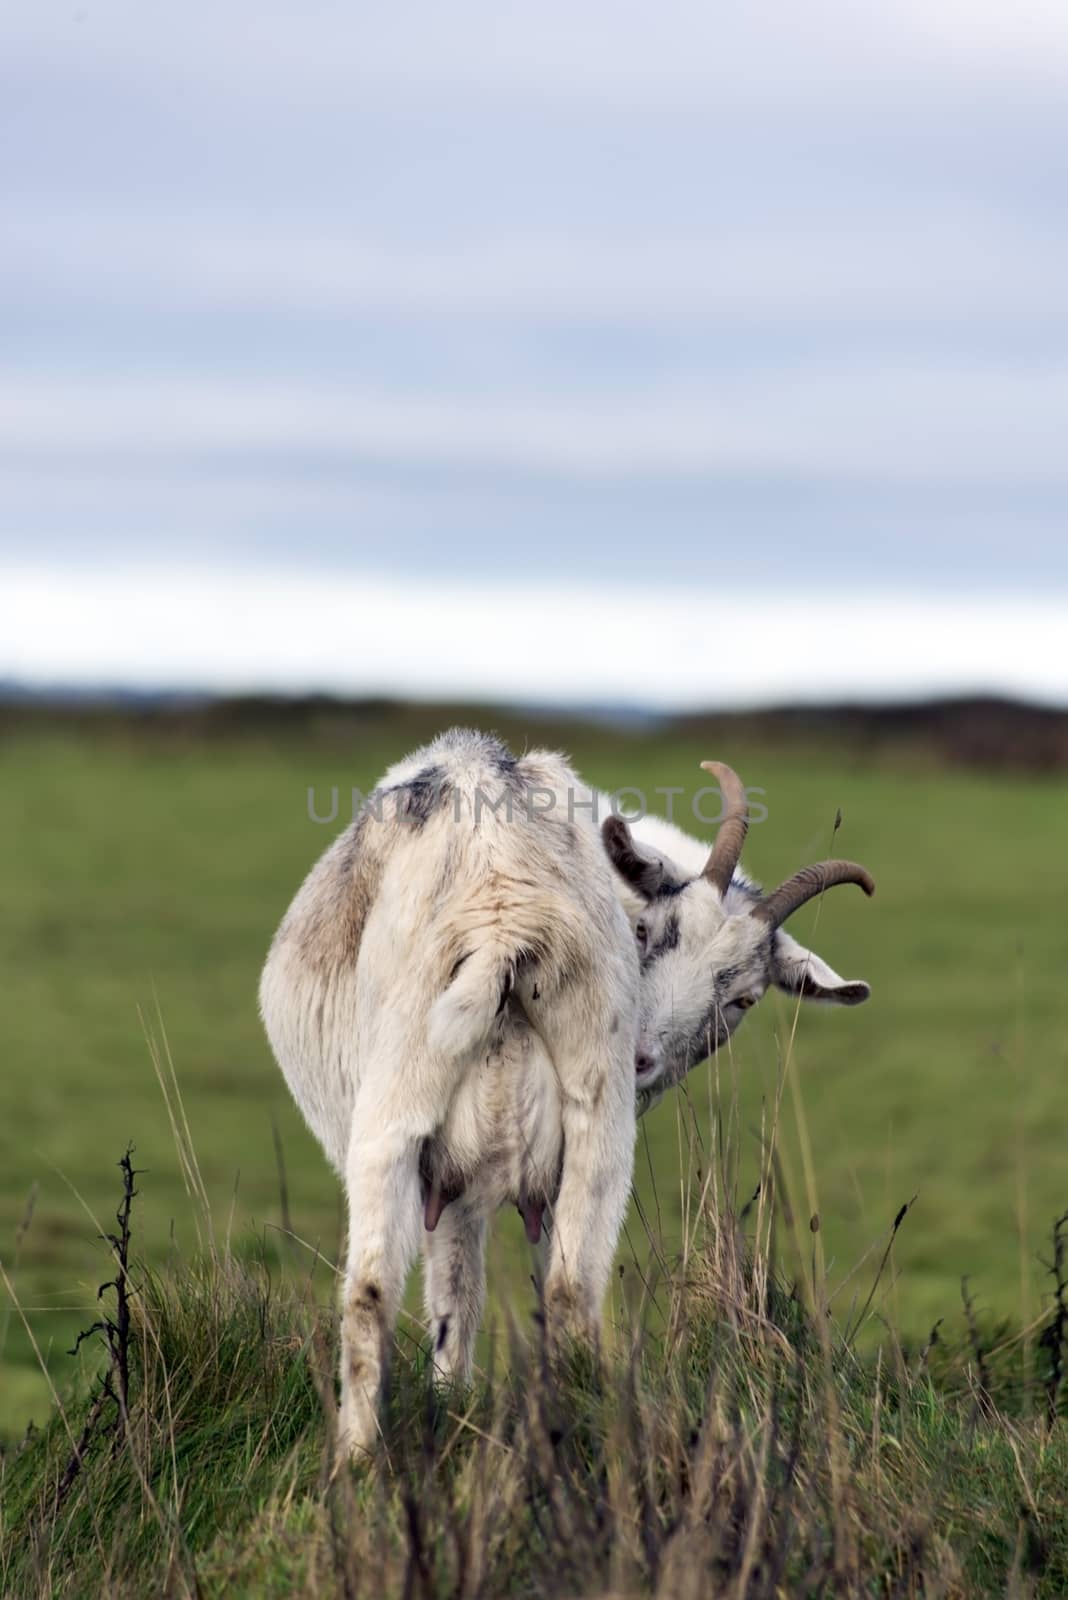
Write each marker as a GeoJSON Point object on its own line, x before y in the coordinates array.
{"type": "Point", "coordinates": [802, 972]}
{"type": "Point", "coordinates": [642, 869]}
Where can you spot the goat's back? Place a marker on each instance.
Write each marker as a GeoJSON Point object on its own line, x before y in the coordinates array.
{"type": "Point", "coordinates": [468, 871]}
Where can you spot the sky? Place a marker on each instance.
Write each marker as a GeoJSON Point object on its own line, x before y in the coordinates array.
{"type": "Point", "coordinates": [545, 352]}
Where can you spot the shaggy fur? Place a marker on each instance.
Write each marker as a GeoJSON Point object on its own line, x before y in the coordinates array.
{"type": "Point", "coordinates": [467, 1001]}
{"type": "Point", "coordinates": [452, 997]}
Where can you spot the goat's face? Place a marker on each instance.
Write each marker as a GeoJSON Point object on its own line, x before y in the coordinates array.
{"type": "Point", "coordinates": [711, 946]}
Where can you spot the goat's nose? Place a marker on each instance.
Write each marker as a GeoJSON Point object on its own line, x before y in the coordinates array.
{"type": "Point", "coordinates": [644, 1062]}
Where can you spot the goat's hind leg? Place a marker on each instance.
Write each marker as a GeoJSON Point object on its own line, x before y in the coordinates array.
{"type": "Point", "coordinates": [384, 1221]}
{"type": "Point", "coordinates": [397, 1107]}
{"type": "Point", "coordinates": [592, 1044]}
{"type": "Point", "coordinates": [454, 1264]}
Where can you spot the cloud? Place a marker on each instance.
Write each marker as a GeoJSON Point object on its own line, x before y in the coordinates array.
{"type": "Point", "coordinates": [607, 51]}
{"type": "Point", "coordinates": [952, 271]}
{"type": "Point", "coordinates": [903, 423]}
{"type": "Point", "coordinates": [496, 288]}
{"type": "Point", "coordinates": [232, 631]}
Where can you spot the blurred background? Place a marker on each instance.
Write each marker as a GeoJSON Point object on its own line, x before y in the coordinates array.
{"type": "Point", "coordinates": [660, 384]}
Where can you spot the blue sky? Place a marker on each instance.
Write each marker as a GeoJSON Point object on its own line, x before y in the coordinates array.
{"type": "Point", "coordinates": [544, 306]}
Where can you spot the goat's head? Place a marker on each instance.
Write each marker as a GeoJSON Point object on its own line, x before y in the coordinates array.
{"type": "Point", "coordinates": [711, 945]}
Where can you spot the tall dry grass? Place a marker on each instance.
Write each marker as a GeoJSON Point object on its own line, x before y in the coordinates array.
{"type": "Point", "coordinates": [751, 1427]}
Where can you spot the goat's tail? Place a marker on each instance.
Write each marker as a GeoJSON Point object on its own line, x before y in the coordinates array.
{"type": "Point", "coordinates": [463, 1016]}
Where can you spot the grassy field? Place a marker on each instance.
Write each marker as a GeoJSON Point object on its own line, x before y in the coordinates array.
{"type": "Point", "coordinates": [143, 874]}
{"type": "Point", "coordinates": [740, 1448]}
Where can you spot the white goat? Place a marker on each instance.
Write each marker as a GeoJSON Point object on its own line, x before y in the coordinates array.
{"type": "Point", "coordinates": [461, 1008]}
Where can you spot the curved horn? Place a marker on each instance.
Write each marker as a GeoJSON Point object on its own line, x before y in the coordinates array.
{"type": "Point", "coordinates": [730, 836]}
{"type": "Point", "coordinates": [806, 885]}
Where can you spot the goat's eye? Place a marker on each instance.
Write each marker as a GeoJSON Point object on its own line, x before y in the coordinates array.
{"type": "Point", "coordinates": [641, 933]}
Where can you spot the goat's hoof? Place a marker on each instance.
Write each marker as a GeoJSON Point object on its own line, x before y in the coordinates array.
{"type": "Point", "coordinates": [357, 1437]}
{"type": "Point", "coordinates": [569, 1324]}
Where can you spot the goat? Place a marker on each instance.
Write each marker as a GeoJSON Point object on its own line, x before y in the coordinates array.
{"type": "Point", "coordinates": [465, 1016]}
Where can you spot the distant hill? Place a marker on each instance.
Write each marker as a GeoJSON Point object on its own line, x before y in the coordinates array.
{"type": "Point", "coordinates": [975, 731]}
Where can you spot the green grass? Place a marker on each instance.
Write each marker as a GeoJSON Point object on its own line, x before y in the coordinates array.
{"type": "Point", "coordinates": [140, 867]}
{"type": "Point", "coordinates": [742, 1449]}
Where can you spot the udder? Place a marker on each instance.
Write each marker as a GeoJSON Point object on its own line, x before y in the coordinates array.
{"type": "Point", "coordinates": [502, 1140]}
